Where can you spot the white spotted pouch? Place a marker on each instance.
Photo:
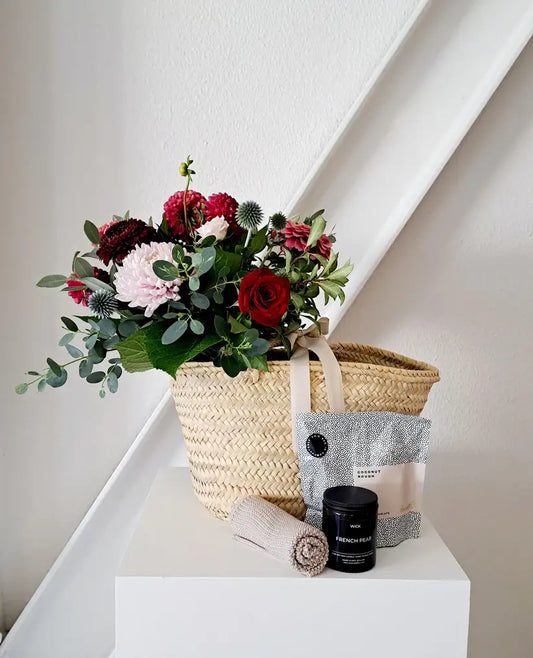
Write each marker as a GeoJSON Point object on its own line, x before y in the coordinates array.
{"type": "Point", "coordinates": [379, 450]}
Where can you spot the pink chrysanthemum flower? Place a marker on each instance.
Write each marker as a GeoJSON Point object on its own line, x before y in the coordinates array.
{"type": "Point", "coordinates": [136, 282]}
{"type": "Point", "coordinates": [295, 237]}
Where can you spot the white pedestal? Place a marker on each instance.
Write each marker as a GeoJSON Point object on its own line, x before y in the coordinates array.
{"type": "Point", "coordinates": [187, 589]}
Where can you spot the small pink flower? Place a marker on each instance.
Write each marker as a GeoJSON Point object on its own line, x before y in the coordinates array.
{"type": "Point", "coordinates": [217, 227]}
{"type": "Point", "coordinates": [295, 237]}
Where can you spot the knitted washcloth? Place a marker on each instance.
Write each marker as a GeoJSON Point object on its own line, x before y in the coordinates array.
{"type": "Point", "coordinates": [299, 544]}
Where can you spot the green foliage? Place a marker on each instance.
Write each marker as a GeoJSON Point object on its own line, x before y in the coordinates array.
{"type": "Point", "coordinates": [144, 350]}
{"type": "Point", "coordinates": [207, 319]}
{"type": "Point", "coordinates": [52, 281]}
{"type": "Point", "coordinates": [91, 231]}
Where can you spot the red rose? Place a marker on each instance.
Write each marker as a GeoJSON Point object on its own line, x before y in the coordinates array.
{"type": "Point", "coordinates": [265, 296]}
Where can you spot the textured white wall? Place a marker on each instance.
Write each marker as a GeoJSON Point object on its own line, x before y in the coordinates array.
{"type": "Point", "coordinates": [456, 290]}
{"type": "Point", "coordinates": [100, 102]}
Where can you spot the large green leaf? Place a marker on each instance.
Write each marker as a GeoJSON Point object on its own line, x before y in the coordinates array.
{"type": "Point", "coordinates": [144, 350]}
{"type": "Point", "coordinates": [317, 229]}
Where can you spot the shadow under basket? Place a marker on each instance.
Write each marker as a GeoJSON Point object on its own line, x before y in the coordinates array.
{"type": "Point", "coordinates": [238, 432]}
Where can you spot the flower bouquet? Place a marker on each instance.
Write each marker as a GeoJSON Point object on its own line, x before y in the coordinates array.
{"type": "Point", "coordinates": [212, 282]}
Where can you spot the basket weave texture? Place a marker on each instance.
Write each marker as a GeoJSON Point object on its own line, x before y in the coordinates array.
{"type": "Point", "coordinates": [238, 432]}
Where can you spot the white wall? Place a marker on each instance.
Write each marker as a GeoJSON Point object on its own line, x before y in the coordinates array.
{"type": "Point", "coordinates": [100, 102]}
{"type": "Point", "coordinates": [456, 290]}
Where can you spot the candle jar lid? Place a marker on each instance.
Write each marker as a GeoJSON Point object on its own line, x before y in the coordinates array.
{"type": "Point", "coordinates": [349, 499]}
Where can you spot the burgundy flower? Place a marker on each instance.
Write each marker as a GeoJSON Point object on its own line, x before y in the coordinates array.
{"type": "Point", "coordinates": [224, 205]}
{"type": "Point", "coordinates": [265, 296]}
{"type": "Point", "coordinates": [121, 237]}
{"type": "Point", "coordinates": [82, 296]}
{"type": "Point", "coordinates": [175, 216]}
{"type": "Point", "coordinates": [295, 237]}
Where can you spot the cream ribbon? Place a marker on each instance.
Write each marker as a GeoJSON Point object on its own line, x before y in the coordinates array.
{"type": "Point", "coordinates": [303, 342]}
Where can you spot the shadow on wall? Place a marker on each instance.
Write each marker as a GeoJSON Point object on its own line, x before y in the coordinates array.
{"type": "Point", "coordinates": [481, 502]}
{"type": "Point", "coordinates": [455, 290]}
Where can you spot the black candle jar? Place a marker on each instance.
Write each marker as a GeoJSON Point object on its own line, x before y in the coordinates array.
{"type": "Point", "coordinates": [349, 521]}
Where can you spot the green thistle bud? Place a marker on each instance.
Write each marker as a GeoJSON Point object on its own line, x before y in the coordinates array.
{"type": "Point", "coordinates": [184, 170]}
{"type": "Point", "coordinates": [278, 221]}
{"type": "Point", "coordinates": [249, 215]}
{"type": "Point", "coordinates": [103, 303]}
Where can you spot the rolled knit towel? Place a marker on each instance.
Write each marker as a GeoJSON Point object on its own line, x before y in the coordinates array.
{"type": "Point", "coordinates": [258, 522]}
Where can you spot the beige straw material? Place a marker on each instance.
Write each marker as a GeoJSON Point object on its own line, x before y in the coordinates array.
{"type": "Point", "coordinates": [238, 431]}
{"type": "Point", "coordinates": [263, 525]}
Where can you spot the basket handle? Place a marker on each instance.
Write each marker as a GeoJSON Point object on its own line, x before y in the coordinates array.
{"type": "Point", "coordinates": [301, 380]}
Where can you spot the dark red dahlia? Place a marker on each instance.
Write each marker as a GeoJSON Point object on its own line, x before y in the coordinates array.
{"type": "Point", "coordinates": [82, 296]}
{"type": "Point", "coordinates": [224, 205]}
{"type": "Point", "coordinates": [120, 238]}
{"type": "Point", "coordinates": [175, 216]}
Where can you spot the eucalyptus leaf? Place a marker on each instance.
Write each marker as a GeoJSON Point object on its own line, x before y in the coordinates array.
{"type": "Point", "coordinates": [74, 352]}
{"type": "Point", "coordinates": [208, 257]}
{"type": "Point", "coordinates": [85, 368]}
{"type": "Point", "coordinates": [110, 343]}
{"type": "Point", "coordinates": [21, 388]}
{"type": "Point", "coordinates": [196, 327]}
{"type": "Point", "coordinates": [174, 332]}
{"type": "Point", "coordinates": [218, 297]}
{"type": "Point", "coordinates": [101, 393]}
{"type": "Point", "coordinates": [177, 253]}
{"type": "Point", "coordinates": [165, 270]}
{"type": "Point", "coordinates": [199, 300]}
{"type": "Point", "coordinates": [107, 327]}
{"type": "Point", "coordinates": [69, 324]}
{"type": "Point", "coordinates": [55, 381]}
{"type": "Point", "coordinates": [41, 385]}
{"type": "Point", "coordinates": [194, 283]}
{"type": "Point", "coordinates": [65, 339]}
{"type": "Point", "coordinates": [178, 305]}
{"type": "Point", "coordinates": [112, 382]}
{"type": "Point", "coordinates": [54, 367]}
{"type": "Point", "coordinates": [196, 259]}
{"type": "Point", "coordinates": [52, 281]}
{"type": "Point", "coordinates": [127, 328]}
{"type": "Point", "coordinates": [95, 377]}
{"type": "Point", "coordinates": [259, 346]}
{"type": "Point", "coordinates": [251, 335]}
{"type": "Point", "coordinates": [90, 341]}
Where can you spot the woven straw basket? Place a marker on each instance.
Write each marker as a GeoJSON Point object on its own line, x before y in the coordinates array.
{"type": "Point", "coordinates": [238, 431]}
